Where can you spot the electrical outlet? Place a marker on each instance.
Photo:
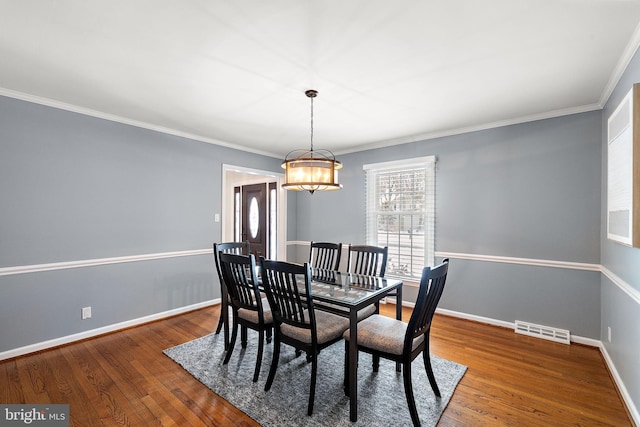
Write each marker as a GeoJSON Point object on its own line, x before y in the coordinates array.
{"type": "Point", "coordinates": [86, 313]}
{"type": "Point", "coordinates": [609, 333]}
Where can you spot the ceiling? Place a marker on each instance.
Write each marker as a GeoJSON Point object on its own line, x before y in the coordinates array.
{"type": "Point", "coordinates": [234, 72]}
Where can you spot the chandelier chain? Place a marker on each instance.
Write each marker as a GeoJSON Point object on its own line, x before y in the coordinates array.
{"type": "Point", "coordinates": [306, 170]}
{"type": "Point", "coordinates": [311, 124]}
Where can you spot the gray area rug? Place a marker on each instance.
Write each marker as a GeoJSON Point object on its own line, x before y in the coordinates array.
{"type": "Point", "coordinates": [381, 399]}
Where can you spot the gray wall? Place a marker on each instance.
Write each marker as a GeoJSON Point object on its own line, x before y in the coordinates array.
{"type": "Point", "coordinates": [620, 308]}
{"type": "Point", "coordinates": [74, 187]}
{"type": "Point", "coordinates": [527, 191]}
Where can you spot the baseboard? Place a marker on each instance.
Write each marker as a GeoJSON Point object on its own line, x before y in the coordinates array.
{"type": "Point", "coordinates": [32, 348]}
{"type": "Point", "coordinates": [480, 319]}
{"type": "Point", "coordinates": [633, 411]}
{"type": "Point", "coordinates": [21, 351]}
{"type": "Point", "coordinates": [631, 408]}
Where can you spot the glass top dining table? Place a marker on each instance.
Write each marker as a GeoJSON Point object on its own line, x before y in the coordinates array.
{"type": "Point", "coordinates": [348, 289]}
{"type": "Point", "coordinates": [353, 292]}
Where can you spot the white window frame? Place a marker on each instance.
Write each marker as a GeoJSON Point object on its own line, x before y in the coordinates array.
{"type": "Point", "coordinates": [395, 266]}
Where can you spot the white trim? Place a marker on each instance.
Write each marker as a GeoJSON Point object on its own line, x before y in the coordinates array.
{"type": "Point", "coordinates": [8, 271]}
{"type": "Point", "coordinates": [250, 171]}
{"type": "Point", "coordinates": [577, 339]}
{"type": "Point", "coordinates": [157, 316]}
{"type": "Point", "coordinates": [119, 119]}
{"type": "Point", "coordinates": [621, 67]}
{"type": "Point", "coordinates": [523, 261]}
{"type": "Point", "coordinates": [381, 144]}
{"type": "Point", "coordinates": [459, 131]}
{"type": "Point", "coordinates": [404, 163]}
{"type": "Point", "coordinates": [509, 325]}
{"type": "Point", "coordinates": [633, 411]}
{"type": "Point", "coordinates": [624, 286]}
{"type": "Point", "coordinates": [473, 317]}
{"type": "Point", "coordinates": [591, 342]}
{"type": "Point", "coordinates": [227, 191]}
{"type": "Point", "coordinates": [20, 351]}
{"type": "Point", "coordinates": [301, 243]}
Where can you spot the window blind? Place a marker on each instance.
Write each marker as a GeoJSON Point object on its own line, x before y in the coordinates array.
{"type": "Point", "coordinates": [400, 213]}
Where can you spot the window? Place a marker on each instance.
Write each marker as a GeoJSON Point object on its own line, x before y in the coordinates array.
{"type": "Point", "coordinates": [400, 213]}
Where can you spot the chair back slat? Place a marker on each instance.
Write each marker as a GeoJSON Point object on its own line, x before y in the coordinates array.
{"type": "Point", "coordinates": [431, 287]}
{"type": "Point", "coordinates": [281, 281]}
{"type": "Point", "coordinates": [239, 274]}
{"type": "Point", "coordinates": [238, 248]}
{"type": "Point", "coordinates": [325, 255]}
{"type": "Point", "coordinates": [367, 260]}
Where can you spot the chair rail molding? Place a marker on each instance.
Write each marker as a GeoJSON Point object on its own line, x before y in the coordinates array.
{"type": "Point", "coordinates": [36, 268]}
{"type": "Point", "coordinates": [626, 288]}
{"type": "Point", "coordinates": [523, 261]}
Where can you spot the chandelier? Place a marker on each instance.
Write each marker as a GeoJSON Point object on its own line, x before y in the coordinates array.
{"type": "Point", "coordinates": [311, 170]}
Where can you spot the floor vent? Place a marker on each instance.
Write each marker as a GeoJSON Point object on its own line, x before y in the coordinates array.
{"type": "Point", "coordinates": [553, 334]}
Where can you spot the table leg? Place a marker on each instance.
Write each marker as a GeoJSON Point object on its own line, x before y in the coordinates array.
{"type": "Point", "coordinates": [353, 365]}
{"type": "Point", "coordinates": [399, 303]}
{"type": "Point", "coordinates": [399, 317]}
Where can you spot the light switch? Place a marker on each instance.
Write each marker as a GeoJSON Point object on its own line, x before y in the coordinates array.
{"type": "Point", "coordinates": [216, 217]}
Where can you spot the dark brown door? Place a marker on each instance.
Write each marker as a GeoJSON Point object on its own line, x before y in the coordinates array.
{"type": "Point", "coordinates": [254, 218]}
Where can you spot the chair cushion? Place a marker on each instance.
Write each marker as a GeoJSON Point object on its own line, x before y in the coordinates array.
{"type": "Point", "coordinates": [383, 334]}
{"type": "Point", "coordinates": [328, 326]}
{"type": "Point", "coordinates": [252, 315]}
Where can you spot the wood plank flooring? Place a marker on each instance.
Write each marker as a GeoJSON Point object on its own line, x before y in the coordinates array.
{"type": "Point", "coordinates": [124, 379]}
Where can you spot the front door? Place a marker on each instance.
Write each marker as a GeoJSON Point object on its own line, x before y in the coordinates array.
{"type": "Point", "coordinates": [254, 218]}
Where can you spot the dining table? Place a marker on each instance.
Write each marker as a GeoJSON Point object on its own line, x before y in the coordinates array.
{"type": "Point", "coordinates": [345, 294]}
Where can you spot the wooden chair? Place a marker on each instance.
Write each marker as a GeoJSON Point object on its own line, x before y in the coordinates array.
{"type": "Point", "coordinates": [402, 342]}
{"type": "Point", "coordinates": [371, 261]}
{"type": "Point", "coordinates": [239, 248]}
{"type": "Point", "coordinates": [296, 321]}
{"type": "Point", "coordinates": [249, 309]}
{"type": "Point", "coordinates": [325, 255]}
{"type": "Point", "coordinates": [367, 259]}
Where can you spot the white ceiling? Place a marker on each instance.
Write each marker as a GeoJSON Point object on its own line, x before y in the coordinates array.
{"type": "Point", "coordinates": [234, 71]}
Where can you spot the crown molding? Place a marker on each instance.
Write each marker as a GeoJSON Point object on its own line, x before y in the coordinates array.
{"type": "Point", "coordinates": [623, 63]}
{"type": "Point", "coordinates": [123, 120]}
{"type": "Point", "coordinates": [469, 129]}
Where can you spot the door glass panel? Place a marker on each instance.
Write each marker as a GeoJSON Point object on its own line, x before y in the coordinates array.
{"type": "Point", "coordinates": [254, 217]}
{"type": "Point", "coordinates": [272, 221]}
{"type": "Point", "coordinates": [236, 214]}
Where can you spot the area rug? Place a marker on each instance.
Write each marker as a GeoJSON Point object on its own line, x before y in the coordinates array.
{"type": "Point", "coordinates": [381, 399]}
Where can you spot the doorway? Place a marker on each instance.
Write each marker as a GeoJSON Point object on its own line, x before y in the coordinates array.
{"type": "Point", "coordinates": [252, 216]}
{"type": "Point", "coordinates": [253, 209]}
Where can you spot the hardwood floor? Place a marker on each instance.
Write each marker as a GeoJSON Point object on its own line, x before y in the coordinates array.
{"type": "Point", "coordinates": [124, 379]}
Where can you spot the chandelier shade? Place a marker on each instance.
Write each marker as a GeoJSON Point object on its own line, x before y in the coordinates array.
{"type": "Point", "coordinates": [311, 170]}
{"type": "Point", "coordinates": [307, 170]}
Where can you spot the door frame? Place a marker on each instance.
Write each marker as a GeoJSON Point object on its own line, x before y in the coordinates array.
{"type": "Point", "coordinates": [236, 176]}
